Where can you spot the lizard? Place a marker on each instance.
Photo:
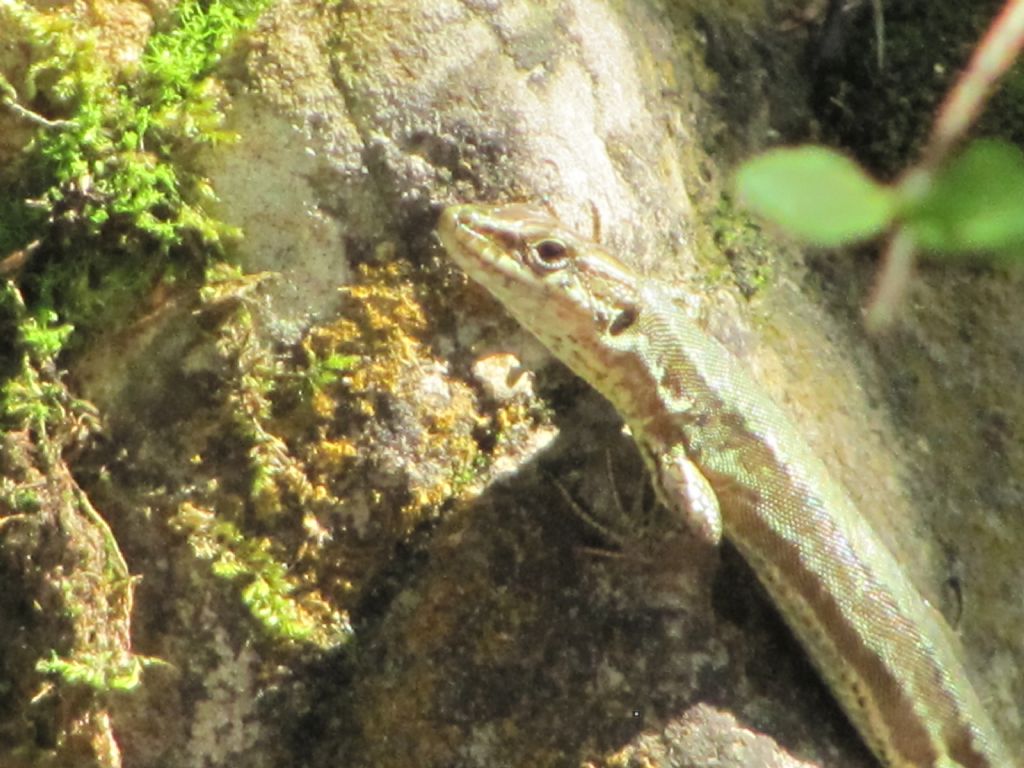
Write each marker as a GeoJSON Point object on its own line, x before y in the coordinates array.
{"type": "Point", "coordinates": [723, 455]}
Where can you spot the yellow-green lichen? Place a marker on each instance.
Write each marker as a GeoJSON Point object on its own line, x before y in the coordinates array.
{"type": "Point", "coordinates": [315, 424]}
{"type": "Point", "coordinates": [383, 327]}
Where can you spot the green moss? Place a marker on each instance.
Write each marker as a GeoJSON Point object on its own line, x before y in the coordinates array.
{"type": "Point", "coordinates": [104, 671]}
{"type": "Point", "coordinates": [468, 474]}
{"type": "Point", "coordinates": [271, 593]}
{"type": "Point", "coordinates": [29, 397]}
{"type": "Point", "coordinates": [106, 188]}
{"type": "Point", "coordinates": [741, 241]}
{"type": "Point", "coordinates": [254, 530]}
{"type": "Point", "coordinates": [325, 371]}
{"type": "Point", "coordinates": [18, 222]}
{"type": "Point", "coordinates": [273, 472]}
{"type": "Point", "coordinates": [24, 501]}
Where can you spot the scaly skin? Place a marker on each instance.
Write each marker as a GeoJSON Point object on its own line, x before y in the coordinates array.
{"type": "Point", "coordinates": [726, 457]}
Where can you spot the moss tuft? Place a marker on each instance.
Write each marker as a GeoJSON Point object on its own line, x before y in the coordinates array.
{"type": "Point", "coordinates": [105, 191]}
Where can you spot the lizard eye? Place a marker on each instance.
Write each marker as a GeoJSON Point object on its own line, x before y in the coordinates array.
{"type": "Point", "coordinates": [624, 320]}
{"type": "Point", "coordinates": [549, 255]}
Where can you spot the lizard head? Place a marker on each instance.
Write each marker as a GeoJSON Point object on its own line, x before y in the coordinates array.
{"type": "Point", "coordinates": [570, 292]}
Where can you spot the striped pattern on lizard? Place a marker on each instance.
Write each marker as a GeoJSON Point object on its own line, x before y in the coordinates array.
{"type": "Point", "coordinates": [724, 456]}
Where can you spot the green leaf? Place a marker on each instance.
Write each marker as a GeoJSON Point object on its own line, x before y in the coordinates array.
{"type": "Point", "coordinates": [816, 194]}
{"type": "Point", "coordinates": [976, 203]}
